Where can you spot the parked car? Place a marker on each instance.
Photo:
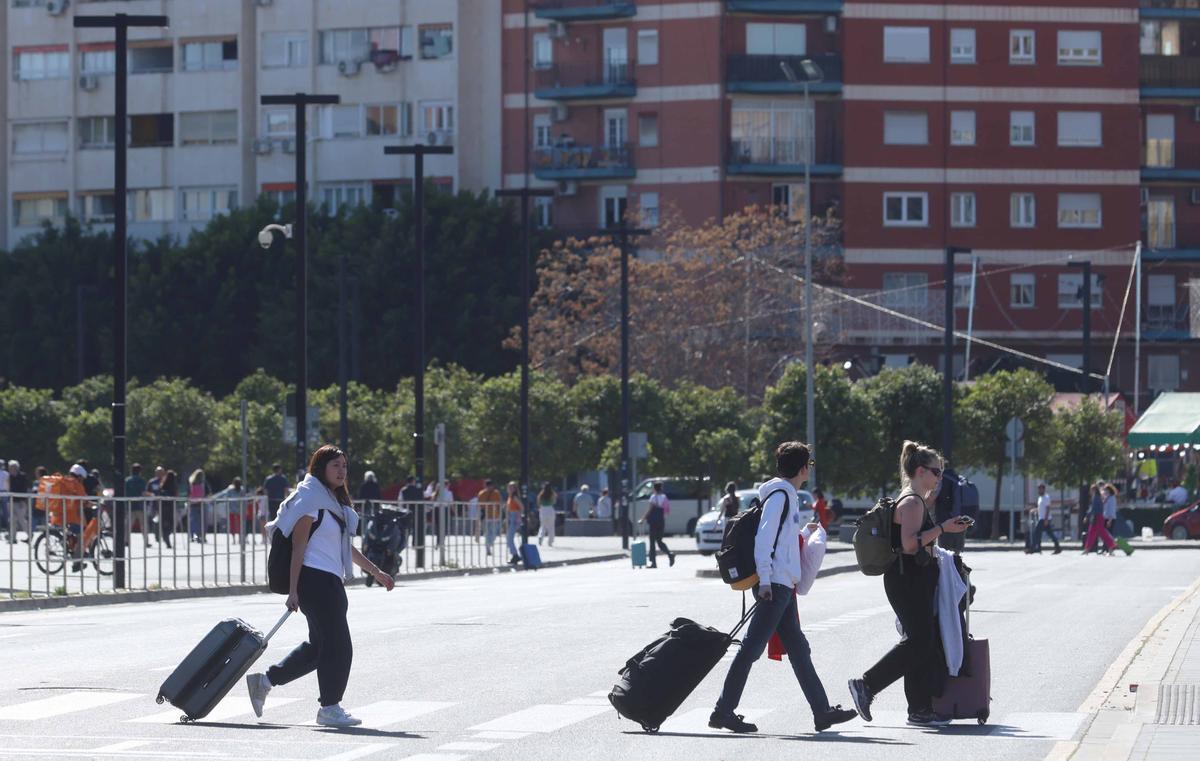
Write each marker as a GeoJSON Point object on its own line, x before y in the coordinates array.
{"type": "Point", "coordinates": [689, 498]}
{"type": "Point", "coordinates": [1183, 524]}
{"type": "Point", "coordinates": [710, 529]}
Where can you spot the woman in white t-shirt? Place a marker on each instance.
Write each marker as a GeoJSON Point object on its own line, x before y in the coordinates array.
{"type": "Point", "coordinates": [322, 523]}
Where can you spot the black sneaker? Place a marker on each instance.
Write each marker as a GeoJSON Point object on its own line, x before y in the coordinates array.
{"type": "Point", "coordinates": [927, 719]}
{"type": "Point", "coordinates": [835, 715]}
{"type": "Point", "coordinates": [734, 722]}
{"type": "Point", "coordinates": [671, 558]}
{"type": "Point", "coordinates": [862, 697]}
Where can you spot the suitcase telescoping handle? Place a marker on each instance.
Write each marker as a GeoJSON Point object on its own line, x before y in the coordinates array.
{"type": "Point", "coordinates": [278, 624]}
{"type": "Point", "coordinates": [745, 617]}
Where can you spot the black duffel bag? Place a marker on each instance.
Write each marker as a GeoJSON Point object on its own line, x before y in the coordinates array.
{"type": "Point", "coordinates": [656, 681]}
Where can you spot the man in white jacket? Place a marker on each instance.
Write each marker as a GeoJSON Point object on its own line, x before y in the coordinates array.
{"type": "Point", "coordinates": [777, 561]}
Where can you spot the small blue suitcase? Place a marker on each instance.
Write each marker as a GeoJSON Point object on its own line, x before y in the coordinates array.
{"type": "Point", "coordinates": [531, 557]}
{"type": "Point", "coordinates": [637, 554]}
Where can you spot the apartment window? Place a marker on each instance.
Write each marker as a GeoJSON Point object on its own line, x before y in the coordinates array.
{"type": "Point", "coordinates": [1160, 38]}
{"type": "Point", "coordinates": [1020, 128]}
{"type": "Point", "coordinates": [340, 121]}
{"type": "Point", "coordinates": [97, 207]}
{"type": "Point", "coordinates": [962, 209]}
{"type": "Point", "coordinates": [437, 116]}
{"type": "Point", "coordinates": [339, 45]}
{"type": "Point", "coordinates": [543, 51]}
{"type": "Point", "coordinates": [208, 127]}
{"type": "Point", "coordinates": [1160, 290]}
{"type": "Point", "coordinates": [542, 131]}
{"type": "Point", "coordinates": [198, 204]}
{"type": "Point", "coordinates": [100, 59]}
{"type": "Point", "coordinates": [1022, 208]}
{"type": "Point", "coordinates": [284, 50]}
{"type": "Point", "coordinates": [612, 206]}
{"type": "Point", "coordinates": [776, 39]}
{"type": "Point", "coordinates": [1079, 129]}
{"type": "Point", "coordinates": [437, 40]}
{"type": "Point", "coordinates": [342, 196]}
{"type": "Point", "coordinates": [96, 131]}
{"type": "Point", "coordinates": [32, 210]}
{"type": "Point", "coordinates": [44, 62]}
{"type": "Point", "coordinates": [381, 120]}
{"type": "Point", "coordinates": [647, 47]}
{"type": "Point", "coordinates": [280, 123]}
{"type": "Point", "coordinates": [789, 197]}
{"type": "Point", "coordinates": [1160, 222]}
{"type": "Point", "coordinates": [906, 44]}
{"type": "Point", "coordinates": [406, 119]}
{"type": "Point", "coordinates": [1078, 48]}
{"type": "Point", "coordinates": [905, 209]}
{"type": "Point", "coordinates": [649, 204]}
{"type": "Point", "coordinates": [962, 46]}
{"type": "Point", "coordinates": [543, 212]}
{"type": "Point", "coordinates": [1078, 209]}
{"type": "Point", "coordinates": [1163, 372]}
{"type": "Point", "coordinates": [39, 138]}
{"type": "Point", "coordinates": [962, 291]}
{"type": "Point", "coordinates": [1160, 140]}
{"type": "Point", "coordinates": [648, 130]}
{"type": "Point", "coordinates": [962, 128]}
{"type": "Point", "coordinates": [905, 128]}
{"type": "Point", "coordinates": [151, 58]}
{"type": "Point", "coordinates": [151, 130]}
{"type": "Point", "coordinates": [210, 55]}
{"type": "Point", "coordinates": [905, 289]}
{"type": "Point", "coordinates": [1070, 291]}
{"type": "Point", "coordinates": [772, 132]}
{"type": "Point", "coordinates": [616, 127]}
{"type": "Point", "coordinates": [1022, 290]}
{"type": "Point", "coordinates": [153, 205]}
{"type": "Point", "coordinates": [1021, 46]}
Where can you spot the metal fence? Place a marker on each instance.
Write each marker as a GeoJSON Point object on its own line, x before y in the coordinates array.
{"type": "Point", "coordinates": [64, 545]}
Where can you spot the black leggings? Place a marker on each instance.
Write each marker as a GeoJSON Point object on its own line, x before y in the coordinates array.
{"type": "Point", "coordinates": [656, 540]}
{"type": "Point", "coordinates": [911, 596]}
{"type": "Point", "coordinates": [328, 650]}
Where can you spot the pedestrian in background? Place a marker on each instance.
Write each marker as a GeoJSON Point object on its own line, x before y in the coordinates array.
{"type": "Point", "coordinates": [730, 504]}
{"type": "Point", "coordinates": [154, 505]}
{"type": "Point", "coordinates": [489, 505]}
{"type": "Point", "coordinates": [1043, 522]}
{"type": "Point", "coordinates": [821, 512]}
{"type": "Point", "coordinates": [655, 519]}
{"type": "Point", "coordinates": [5, 501]}
{"type": "Point", "coordinates": [276, 486]}
{"type": "Point", "coordinates": [515, 511]}
{"type": "Point", "coordinates": [1096, 529]}
{"type": "Point", "coordinates": [198, 491]}
{"type": "Point", "coordinates": [166, 507]}
{"type": "Point", "coordinates": [135, 489]}
{"type": "Point", "coordinates": [18, 511]}
{"type": "Point", "coordinates": [546, 513]}
{"type": "Point", "coordinates": [369, 492]}
{"type": "Point", "coordinates": [582, 504]}
{"type": "Point", "coordinates": [604, 505]}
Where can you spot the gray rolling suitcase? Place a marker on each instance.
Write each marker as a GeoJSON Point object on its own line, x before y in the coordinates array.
{"type": "Point", "coordinates": [214, 666]}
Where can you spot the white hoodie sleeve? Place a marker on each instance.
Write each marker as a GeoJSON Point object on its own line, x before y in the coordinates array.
{"type": "Point", "coordinates": [764, 540]}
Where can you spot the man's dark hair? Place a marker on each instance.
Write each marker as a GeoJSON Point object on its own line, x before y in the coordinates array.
{"type": "Point", "coordinates": [790, 458]}
{"type": "Point", "coordinates": [410, 479]}
{"type": "Point", "coordinates": [487, 482]}
{"type": "Point", "coordinates": [276, 467]}
{"type": "Point", "coordinates": [135, 469]}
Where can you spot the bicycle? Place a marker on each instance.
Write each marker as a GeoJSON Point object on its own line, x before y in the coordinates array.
{"type": "Point", "coordinates": [52, 549]}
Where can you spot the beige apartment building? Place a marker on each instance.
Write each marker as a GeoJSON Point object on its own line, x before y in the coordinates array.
{"type": "Point", "coordinates": [407, 71]}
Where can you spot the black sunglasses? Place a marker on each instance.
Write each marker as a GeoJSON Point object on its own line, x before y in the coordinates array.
{"type": "Point", "coordinates": [937, 472]}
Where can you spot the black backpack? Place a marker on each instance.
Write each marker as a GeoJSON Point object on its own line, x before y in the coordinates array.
{"type": "Point", "coordinates": [735, 559]}
{"type": "Point", "coordinates": [279, 560]}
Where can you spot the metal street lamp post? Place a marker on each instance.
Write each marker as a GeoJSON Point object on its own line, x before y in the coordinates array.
{"type": "Point", "coordinates": [1086, 379]}
{"type": "Point", "coordinates": [948, 349]}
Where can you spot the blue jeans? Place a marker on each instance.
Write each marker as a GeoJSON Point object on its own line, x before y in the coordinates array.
{"type": "Point", "coordinates": [514, 528]}
{"type": "Point", "coordinates": [4, 524]}
{"type": "Point", "coordinates": [779, 615]}
{"type": "Point", "coordinates": [1037, 534]}
{"type": "Point", "coordinates": [491, 530]}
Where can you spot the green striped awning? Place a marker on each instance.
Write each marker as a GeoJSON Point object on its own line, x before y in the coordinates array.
{"type": "Point", "coordinates": [1173, 418]}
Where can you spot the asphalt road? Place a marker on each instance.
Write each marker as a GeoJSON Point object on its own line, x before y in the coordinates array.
{"type": "Point", "coordinates": [516, 666]}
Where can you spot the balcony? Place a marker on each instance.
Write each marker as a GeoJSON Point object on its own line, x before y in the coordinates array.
{"type": "Point", "coordinates": [1169, 322]}
{"type": "Point", "coordinates": [584, 10]}
{"type": "Point", "coordinates": [1151, 9]}
{"type": "Point", "coordinates": [1170, 76]}
{"type": "Point", "coordinates": [584, 162]}
{"type": "Point", "coordinates": [762, 74]}
{"type": "Point", "coordinates": [850, 322]}
{"type": "Point", "coordinates": [613, 79]}
{"type": "Point", "coordinates": [784, 7]}
{"type": "Point", "coordinates": [1158, 163]}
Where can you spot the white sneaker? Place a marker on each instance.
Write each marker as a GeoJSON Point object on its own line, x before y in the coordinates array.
{"type": "Point", "coordinates": [258, 685]}
{"type": "Point", "coordinates": [336, 716]}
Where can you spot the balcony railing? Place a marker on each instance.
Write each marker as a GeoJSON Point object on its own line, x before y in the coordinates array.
{"type": "Point", "coordinates": [1170, 72]}
{"type": "Point", "coordinates": [610, 79]}
{"type": "Point", "coordinates": [764, 74]}
{"type": "Point", "coordinates": [850, 321]}
{"type": "Point", "coordinates": [1170, 321]}
{"type": "Point", "coordinates": [583, 162]}
{"type": "Point", "coordinates": [584, 10]}
{"type": "Point", "coordinates": [1169, 8]}
{"type": "Point", "coordinates": [783, 6]}
{"type": "Point", "coordinates": [775, 156]}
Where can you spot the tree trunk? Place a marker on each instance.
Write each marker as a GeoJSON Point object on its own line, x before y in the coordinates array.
{"type": "Point", "coordinates": [996, 500]}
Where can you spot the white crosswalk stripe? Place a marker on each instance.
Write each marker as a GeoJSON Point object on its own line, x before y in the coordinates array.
{"type": "Point", "coordinates": [385, 713]}
{"type": "Point", "coordinates": [59, 705]}
{"type": "Point", "coordinates": [695, 721]}
{"type": "Point", "coordinates": [232, 706]}
{"type": "Point", "coordinates": [542, 718]}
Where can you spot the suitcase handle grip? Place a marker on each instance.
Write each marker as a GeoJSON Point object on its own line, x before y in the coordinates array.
{"type": "Point", "coordinates": [275, 628]}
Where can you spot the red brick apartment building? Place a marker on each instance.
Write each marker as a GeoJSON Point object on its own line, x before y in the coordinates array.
{"type": "Point", "coordinates": [1034, 134]}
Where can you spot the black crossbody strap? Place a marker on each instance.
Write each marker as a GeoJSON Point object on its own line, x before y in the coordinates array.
{"type": "Point", "coordinates": [786, 504]}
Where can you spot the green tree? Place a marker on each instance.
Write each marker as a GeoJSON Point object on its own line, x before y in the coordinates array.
{"type": "Point", "coordinates": [88, 394]}
{"type": "Point", "coordinates": [907, 404]}
{"type": "Point", "coordinates": [596, 399]}
{"type": "Point", "coordinates": [87, 436]}
{"type": "Point", "coordinates": [845, 427]}
{"type": "Point", "coordinates": [369, 415]}
{"type": "Point", "coordinates": [264, 441]}
{"type": "Point", "coordinates": [983, 414]}
{"type": "Point", "coordinates": [171, 423]}
{"type": "Point", "coordinates": [1085, 446]}
{"type": "Point", "coordinates": [30, 424]}
{"type": "Point", "coordinates": [710, 433]}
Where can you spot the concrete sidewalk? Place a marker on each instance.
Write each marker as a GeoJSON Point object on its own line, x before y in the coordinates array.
{"type": "Point", "coordinates": [1147, 707]}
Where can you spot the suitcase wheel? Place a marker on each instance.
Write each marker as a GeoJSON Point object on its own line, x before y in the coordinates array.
{"type": "Point", "coordinates": [983, 717]}
{"type": "Point", "coordinates": [160, 700]}
{"type": "Point", "coordinates": [649, 729]}
{"type": "Point", "coordinates": [185, 719]}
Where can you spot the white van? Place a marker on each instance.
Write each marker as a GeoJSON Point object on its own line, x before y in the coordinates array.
{"type": "Point", "coordinates": [710, 529]}
{"type": "Point", "coordinates": [690, 497]}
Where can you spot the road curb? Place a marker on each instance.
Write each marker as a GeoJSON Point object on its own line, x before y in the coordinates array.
{"type": "Point", "coordinates": [155, 595]}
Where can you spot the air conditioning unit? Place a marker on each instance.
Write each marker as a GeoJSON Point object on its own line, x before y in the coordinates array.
{"type": "Point", "coordinates": [831, 24]}
{"type": "Point", "coordinates": [57, 7]}
{"type": "Point", "coordinates": [559, 112]}
{"type": "Point", "coordinates": [262, 147]}
{"type": "Point", "coordinates": [568, 188]}
{"type": "Point", "coordinates": [349, 68]}
{"type": "Point", "coordinates": [440, 137]}
{"type": "Point", "coordinates": [89, 82]}
{"type": "Point", "coordinates": [288, 146]}
{"type": "Point", "coordinates": [558, 30]}
{"type": "Point", "coordinates": [1196, 114]}
{"type": "Point", "coordinates": [1195, 196]}
{"type": "Point", "coordinates": [1144, 197]}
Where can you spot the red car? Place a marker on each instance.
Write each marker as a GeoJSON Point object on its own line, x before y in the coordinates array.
{"type": "Point", "coordinates": [1183, 524]}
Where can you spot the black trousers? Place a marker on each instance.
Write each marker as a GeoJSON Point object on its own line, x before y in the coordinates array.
{"type": "Point", "coordinates": [328, 650]}
{"type": "Point", "coordinates": [657, 530]}
{"type": "Point", "coordinates": [914, 659]}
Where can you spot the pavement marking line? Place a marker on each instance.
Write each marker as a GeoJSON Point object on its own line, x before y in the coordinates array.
{"type": "Point", "coordinates": [230, 707]}
{"type": "Point", "coordinates": [384, 713]}
{"type": "Point", "coordinates": [494, 735]}
{"type": "Point", "coordinates": [154, 755]}
{"type": "Point", "coordinates": [62, 704]}
{"type": "Point", "coordinates": [588, 701]}
{"type": "Point", "coordinates": [541, 718]}
{"type": "Point", "coordinates": [468, 746]}
{"type": "Point", "coordinates": [435, 757]}
{"type": "Point", "coordinates": [360, 752]}
{"type": "Point", "coordinates": [123, 745]}
{"type": "Point", "coordinates": [163, 668]}
{"type": "Point", "coordinates": [695, 721]}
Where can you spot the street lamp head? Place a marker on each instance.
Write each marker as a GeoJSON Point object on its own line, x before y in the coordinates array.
{"type": "Point", "coordinates": [812, 72]}
{"type": "Point", "coordinates": [265, 238]}
{"type": "Point", "coordinates": [847, 365]}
